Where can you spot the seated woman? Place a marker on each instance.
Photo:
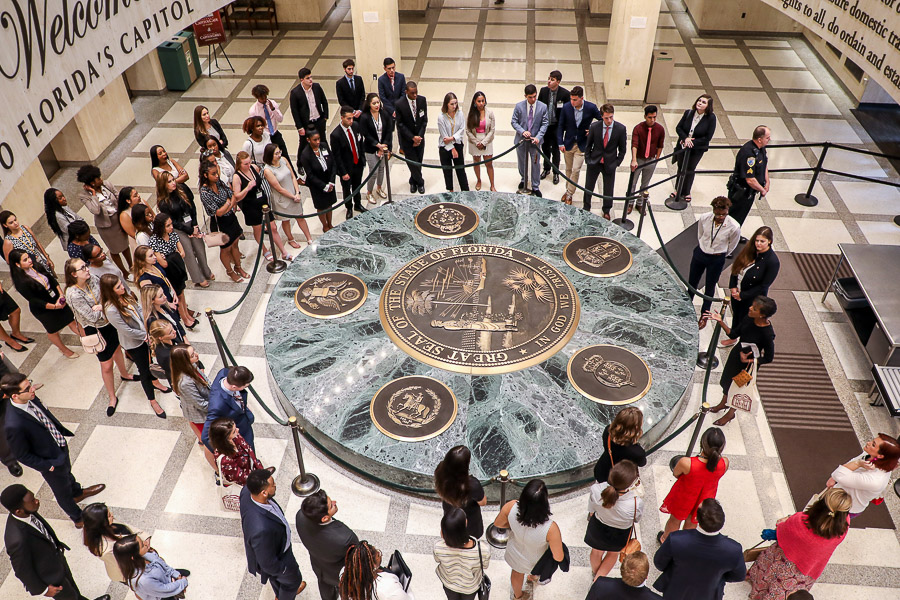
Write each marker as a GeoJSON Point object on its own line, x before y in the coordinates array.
{"type": "Point", "coordinates": [234, 455]}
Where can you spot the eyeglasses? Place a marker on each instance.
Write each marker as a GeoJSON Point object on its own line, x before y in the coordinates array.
{"type": "Point", "coordinates": [82, 268]}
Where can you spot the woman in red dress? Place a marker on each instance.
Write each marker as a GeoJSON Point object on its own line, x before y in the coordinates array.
{"type": "Point", "coordinates": [697, 479]}
{"type": "Point", "coordinates": [237, 457]}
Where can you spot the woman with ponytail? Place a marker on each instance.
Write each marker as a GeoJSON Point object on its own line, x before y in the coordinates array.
{"type": "Point", "coordinates": [614, 508]}
{"type": "Point", "coordinates": [805, 542]}
{"type": "Point", "coordinates": [362, 577]}
{"type": "Point", "coordinates": [697, 478]}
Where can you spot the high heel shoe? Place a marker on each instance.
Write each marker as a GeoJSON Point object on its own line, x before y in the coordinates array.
{"type": "Point", "coordinates": [242, 273]}
{"type": "Point", "coordinates": [234, 276]}
{"type": "Point", "coordinates": [161, 414]}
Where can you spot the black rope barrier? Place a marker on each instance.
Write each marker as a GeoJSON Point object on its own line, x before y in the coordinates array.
{"type": "Point", "coordinates": [462, 166]}
{"type": "Point", "coordinates": [259, 254]}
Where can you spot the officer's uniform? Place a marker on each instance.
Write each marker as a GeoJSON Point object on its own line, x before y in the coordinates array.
{"type": "Point", "coordinates": [751, 162]}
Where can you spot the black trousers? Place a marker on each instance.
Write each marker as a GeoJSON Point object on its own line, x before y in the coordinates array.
{"type": "Point", "coordinates": [688, 168]}
{"type": "Point", "coordinates": [447, 159]}
{"type": "Point", "coordinates": [320, 126]}
{"type": "Point", "coordinates": [64, 487]}
{"type": "Point", "coordinates": [356, 177]}
{"type": "Point", "coordinates": [713, 265]}
{"type": "Point", "coordinates": [328, 591]}
{"type": "Point", "coordinates": [451, 595]}
{"type": "Point", "coordinates": [141, 358]}
{"type": "Point", "coordinates": [550, 147]}
{"type": "Point", "coordinates": [69, 589]}
{"type": "Point", "coordinates": [741, 202]}
{"type": "Point", "coordinates": [278, 139]}
{"type": "Point", "coordinates": [609, 182]}
{"type": "Point", "coordinates": [416, 153]}
{"type": "Point", "coordinates": [285, 584]}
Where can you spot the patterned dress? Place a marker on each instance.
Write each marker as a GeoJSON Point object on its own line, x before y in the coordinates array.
{"type": "Point", "coordinates": [237, 467]}
{"type": "Point", "coordinates": [774, 577]}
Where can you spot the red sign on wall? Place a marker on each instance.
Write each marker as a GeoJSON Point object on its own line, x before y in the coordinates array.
{"type": "Point", "coordinates": [209, 30]}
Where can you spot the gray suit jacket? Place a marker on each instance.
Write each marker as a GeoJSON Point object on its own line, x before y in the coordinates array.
{"type": "Point", "coordinates": [539, 124]}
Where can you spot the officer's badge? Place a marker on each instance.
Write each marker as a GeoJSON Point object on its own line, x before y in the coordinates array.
{"type": "Point", "coordinates": [751, 161]}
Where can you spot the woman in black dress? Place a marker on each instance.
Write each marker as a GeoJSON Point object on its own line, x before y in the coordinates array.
{"type": "Point", "coordinates": [620, 440]}
{"type": "Point", "coordinates": [171, 199]}
{"type": "Point", "coordinates": [459, 489]}
{"type": "Point", "coordinates": [219, 203]}
{"type": "Point", "coordinates": [39, 287]}
{"type": "Point", "coordinates": [755, 329]}
{"type": "Point", "coordinates": [695, 130]}
{"type": "Point", "coordinates": [318, 164]}
{"type": "Point", "coordinates": [752, 272]}
{"type": "Point", "coordinates": [252, 196]}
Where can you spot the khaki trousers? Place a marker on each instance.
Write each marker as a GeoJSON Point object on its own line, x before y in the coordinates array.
{"type": "Point", "coordinates": [574, 162]}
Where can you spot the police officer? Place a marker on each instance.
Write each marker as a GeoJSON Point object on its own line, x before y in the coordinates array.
{"type": "Point", "coordinates": [751, 174]}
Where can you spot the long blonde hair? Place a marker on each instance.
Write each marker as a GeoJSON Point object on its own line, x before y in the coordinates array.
{"type": "Point", "coordinates": [126, 304]}
{"type": "Point", "coordinates": [148, 295]}
{"type": "Point", "coordinates": [156, 331]}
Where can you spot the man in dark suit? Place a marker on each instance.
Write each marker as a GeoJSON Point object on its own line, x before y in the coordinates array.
{"type": "Point", "coordinates": [351, 91]}
{"type": "Point", "coordinates": [604, 151]}
{"type": "Point", "coordinates": [36, 554]}
{"type": "Point", "coordinates": [6, 456]}
{"type": "Point", "coordinates": [38, 440]}
{"type": "Point", "coordinates": [696, 563]}
{"type": "Point", "coordinates": [228, 398]}
{"type": "Point", "coordinates": [571, 134]}
{"type": "Point", "coordinates": [309, 108]}
{"type": "Point", "coordinates": [391, 87]}
{"type": "Point", "coordinates": [326, 539]}
{"type": "Point", "coordinates": [634, 571]}
{"type": "Point", "coordinates": [267, 537]}
{"type": "Point", "coordinates": [347, 147]}
{"type": "Point", "coordinates": [412, 119]}
{"type": "Point", "coordinates": [556, 98]}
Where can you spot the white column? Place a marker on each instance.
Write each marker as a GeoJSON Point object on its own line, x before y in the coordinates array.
{"type": "Point", "coordinates": [376, 34]}
{"type": "Point", "coordinates": [632, 31]}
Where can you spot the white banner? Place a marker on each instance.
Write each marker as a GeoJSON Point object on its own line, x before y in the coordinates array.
{"type": "Point", "coordinates": [55, 55]}
{"type": "Point", "coordinates": [866, 31]}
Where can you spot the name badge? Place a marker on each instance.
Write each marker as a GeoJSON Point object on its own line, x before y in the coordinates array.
{"type": "Point", "coordinates": [186, 218]}
{"type": "Point", "coordinates": [421, 113]}
{"type": "Point", "coordinates": [559, 104]}
{"type": "Point", "coordinates": [324, 153]}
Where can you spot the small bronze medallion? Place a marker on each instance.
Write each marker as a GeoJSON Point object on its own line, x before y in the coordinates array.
{"type": "Point", "coordinates": [330, 295]}
{"type": "Point", "coordinates": [597, 256]}
{"type": "Point", "coordinates": [609, 374]}
{"type": "Point", "coordinates": [412, 409]}
{"type": "Point", "coordinates": [446, 220]}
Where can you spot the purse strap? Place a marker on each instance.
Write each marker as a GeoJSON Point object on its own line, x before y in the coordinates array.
{"type": "Point", "coordinates": [612, 463]}
{"type": "Point", "coordinates": [480, 562]}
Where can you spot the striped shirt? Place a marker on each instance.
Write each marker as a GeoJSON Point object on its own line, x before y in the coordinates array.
{"type": "Point", "coordinates": [458, 568]}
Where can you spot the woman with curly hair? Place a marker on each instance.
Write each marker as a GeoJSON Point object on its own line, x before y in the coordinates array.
{"type": "Point", "coordinates": [620, 442]}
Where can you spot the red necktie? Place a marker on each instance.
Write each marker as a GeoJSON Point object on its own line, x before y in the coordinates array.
{"type": "Point", "coordinates": [649, 137]}
{"type": "Point", "coordinates": [605, 139]}
{"type": "Point", "coordinates": [353, 146]}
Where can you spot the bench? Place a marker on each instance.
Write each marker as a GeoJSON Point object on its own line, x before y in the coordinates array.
{"type": "Point", "coordinates": [887, 385]}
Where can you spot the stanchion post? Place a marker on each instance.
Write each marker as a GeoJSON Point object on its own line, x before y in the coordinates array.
{"type": "Point", "coordinates": [497, 536]}
{"type": "Point", "coordinates": [625, 223]}
{"type": "Point", "coordinates": [216, 336]}
{"type": "Point", "coordinates": [304, 484]}
{"type": "Point", "coordinates": [704, 408]}
{"type": "Point", "coordinates": [640, 226]}
{"type": "Point", "coordinates": [387, 177]}
{"type": "Point", "coordinates": [277, 265]}
{"type": "Point", "coordinates": [710, 354]}
{"type": "Point", "coordinates": [808, 199]}
{"type": "Point", "coordinates": [678, 203]}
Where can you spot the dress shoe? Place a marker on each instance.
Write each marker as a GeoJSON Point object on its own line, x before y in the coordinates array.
{"type": "Point", "coordinates": [381, 192]}
{"type": "Point", "coordinates": [90, 491]}
{"type": "Point", "coordinates": [21, 348]}
{"type": "Point", "coordinates": [521, 186]}
{"type": "Point", "coordinates": [359, 208]}
{"type": "Point", "coordinates": [349, 213]}
{"type": "Point", "coordinates": [301, 588]}
{"type": "Point", "coordinates": [412, 188]}
{"type": "Point", "coordinates": [24, 340]}
{"type": "Point", "coordinates": [537, 193]}
{"type": "Point", "coordinates": [15, 469]}
{"type": "Point", "coordinates": [103, 597]}
{"type": "Point", "coordinates": [607, 217]}
{"type": "Point", "coordinates": [422, 189]}
{"type": "Point", "coordinates": [555, 178]}
{"type": "Point", "coordinates": [544, 173]}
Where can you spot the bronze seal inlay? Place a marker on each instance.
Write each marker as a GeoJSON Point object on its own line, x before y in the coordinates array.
{"type": "Point", "coordinates": [446, 220]}
{"type": "Point", "coordinates": [412, 409]}
{"type": "Point", "coordinates": [609, 374]}
{"type": "Point", "coordinates": [479, 308]}
{"type": "Point", "coordinates": [330, 295]}
{"type": "Point", "coordinates": [597, 256]}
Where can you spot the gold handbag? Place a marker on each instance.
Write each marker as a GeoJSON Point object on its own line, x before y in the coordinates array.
{"type": "Point", "coordinates": [633, 544]}
{"type": "Point", "coordinates": [742, 378]}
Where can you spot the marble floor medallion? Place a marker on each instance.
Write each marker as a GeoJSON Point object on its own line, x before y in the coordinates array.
{"type": "Point", "coordinates": [446, 220]}
{"type": "Point", "coordinates": [479, 308]}
{"type": "Point", "coordinates": [609, 374]}
{"type": "Point", "coordinates": [597, 256]}
{"type": "Point", "coordinates": [413, 409]}
{"type": "Point", "coordinates": [330, 295]}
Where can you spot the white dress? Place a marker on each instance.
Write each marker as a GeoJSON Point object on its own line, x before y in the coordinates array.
{"type": "Point", "coordinates": [526, 545]}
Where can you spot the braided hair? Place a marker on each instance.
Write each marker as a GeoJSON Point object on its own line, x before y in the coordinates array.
{"type": "Point", "coordinates": [361, 565]}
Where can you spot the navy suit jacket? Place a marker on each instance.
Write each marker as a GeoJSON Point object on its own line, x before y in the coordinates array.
{"type": "Point", "coordinates": [696, 566]}
{"type": "Point", "coordinates": [567, 134]}
{"type": "Point", "coordinates": [29, 440]}
{"type": "Point", "coordinates": [264, 540]}
{"type": "Point", "coordinates": [223, 404]}
{"type": "Point", "coordinates": [38, 562]}
{"type": "Point", "coordinates": [389, 97]}
{"type": "Point", "coordinates": [607, 588]}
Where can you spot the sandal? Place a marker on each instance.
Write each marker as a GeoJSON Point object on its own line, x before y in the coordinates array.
{"type": "Point", "coordinates": [478, 186]}
{"type": "Point", "coordinates": [659, 535]}
{"type": "Point", "coordinates": [268, 256]}
{"type": "Point", "coordinates": [294, 243]}
{"type": "Point", "coordinates": [202, 284]}
{"type": "Point", "coordinates": [687, 198]}
{"type": "Point", "coordinates": [234, 276]}
{"type": "Point", "coordinates": [242, 273]}
{"type": "Point", "coordinates": [288, 257]}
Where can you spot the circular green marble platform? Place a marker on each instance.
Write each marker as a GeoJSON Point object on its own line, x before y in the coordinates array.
{"type": "Point", "coordinates": [531, 422]}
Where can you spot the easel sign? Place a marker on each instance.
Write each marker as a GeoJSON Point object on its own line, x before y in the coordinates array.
{"type": "Point", "coordinates": [210, 32]}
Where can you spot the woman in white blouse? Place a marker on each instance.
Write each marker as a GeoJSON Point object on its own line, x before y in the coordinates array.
{"type": "Point", "coordinates": [257, 140]}
{"type": "Point", "coordinates": [451, 129]}
{"type": "Point", "coordinates": [866, 476]}
{"type": "Point", "coordinates": [614, 509]}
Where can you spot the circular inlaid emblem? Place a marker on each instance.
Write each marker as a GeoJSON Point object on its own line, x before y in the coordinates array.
{"type": "Point", "coordinates": [446, 220]}
{"type": "Point", "coordinates": [609, 374]}
{"type": "Point", "coordinates": [479, 308]}
{"type": "Point", "coordinates": [330, 295]}
{"type": "Point", "coordinates": [597, 256]}
{"type": "Point", "coordinates": [414, 408]}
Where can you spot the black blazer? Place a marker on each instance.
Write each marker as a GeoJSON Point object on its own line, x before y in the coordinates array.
{"type": "Point", "coordinates": [343, 154]}
{"type": "Point", "coordinates": [37, 562]}
{"type": "Point", "coordinates": [635, 453]}
{"type": "Point", "coordinates": [759, 277]}
{"type": "Point", "coordinates": [615, 150]}
{"type": "Point", "coordinates": [300, 105]}
{"type": "Point", "coordinates": [367, 125]}
{"type": "Point", "coordinates": [696, 566]}
{"type": "Point", "coordinates": [407, 128]}
{"type": "Point", "coordinates": [30, 442]}
{"type": "Point", "coordinates": [607, 588]}
{"type": "Point", "coordinates": [355, 98]}
{"type": "Point", "coordinates": [327, 545]}
{"type": "Point", "coordinates": [316, 177]}
{"type": "Point", "coordinates": [264, 539]}
{"type": "Point", "coordinates": [562, 95]}
{"type": "Point", "coordinates": [223, 139]}
{"type": "Point", "coordinates": [703, 133]}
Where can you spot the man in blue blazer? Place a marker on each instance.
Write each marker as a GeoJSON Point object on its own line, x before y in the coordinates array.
{"type": "Point", "coordinates": [696, 563]}
{"type": "Point", "coordinates": [391, 87]}
{"type": "Point", "coordinates": [635, 568]}
{"type": "Point", "coordinates": [228, 398]}
{"type": "Point", "coordinates": [571, 135]}
{"type": "Point", "coordinates": [38, 440]}
{"type": "Point", "coordinates": [267, 537]}
{"type": "Point", "coordinates": [530, 120]}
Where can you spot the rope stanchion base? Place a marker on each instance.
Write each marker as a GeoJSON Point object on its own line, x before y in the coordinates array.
{"type": "Point", "coordinates": [897, 220]}
{"type": "Point", "coordinates": [804, 200]}
{"type": "Point", "coordinates": [704, 357]}
{"type": "Point", "coordinates": [676, 203]}
{"type": "Point", "coordinates": [305, 486]}
{"type": "Point", "coordinates": [624, 223]}
{"type": "Point", "coordinates": [497, 537]}
{"type": "Point", "coordinates": [276, 266]}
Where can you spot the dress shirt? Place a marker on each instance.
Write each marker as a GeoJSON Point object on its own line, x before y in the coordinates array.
{"type": "Point", "coordinates": [236, 396]}
{"type": "Point", "coordinates": [452, 128]}
{"type": "Point", "coordinates": [311, 100]}
{"type": "Point", "coordinates": [863, 485]}
{"type": "Point", "coordinates": [694, 122]}
{"type": "Point", "coordinates": [551, 113]}
{"type": "Point", "coordinates": [579, 112]}
{"type": "Point", "coordinates": [275, 116]}
{"type": "Point", "coordinates": [32, 410]}
{"type": "Point", "coordinates": [412, 108]}
{"type": "Point", "coordinates": [647, 140]}
{"type": "Point", "coordinates": [350, 80]}
{"type": "Point", "coordinates": [33, 522]}
{"type": "Point", "coordinates": [349, 133]}
{"type": "Point", "coordinates": [722, 239]}
{"type": "Point", "coordinates": [276, 510]}
{"type": "Point", "coordinates": [621, 514]}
